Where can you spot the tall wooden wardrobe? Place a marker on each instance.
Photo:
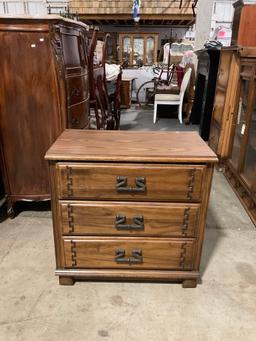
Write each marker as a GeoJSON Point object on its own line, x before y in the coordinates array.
{"type": "Point", "coordinates": [43, 90]}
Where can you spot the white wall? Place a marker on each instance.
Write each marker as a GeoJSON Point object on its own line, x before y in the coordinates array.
{"type": "Point", "coordinates": [32, 7]}
{"type": "Point", "coordinates": [203, 22]}
{"type": "Point", "coordinates": [222, 16]}
{"type": "Point", "coordinates": [21, 7]}
{"type": "Point", "coordinates": [164, 32]}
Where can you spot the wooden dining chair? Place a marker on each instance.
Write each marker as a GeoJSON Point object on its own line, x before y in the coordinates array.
{"type": "Point", "coordinates": [173, 99]}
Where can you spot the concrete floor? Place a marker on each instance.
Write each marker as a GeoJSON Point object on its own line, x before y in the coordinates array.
{"type": "Point", "coordinates": [142, 119]}
{"type": "Point", "coordinates": [33, 307]}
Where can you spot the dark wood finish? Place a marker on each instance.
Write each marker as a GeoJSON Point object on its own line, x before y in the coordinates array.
{"type": "Point", "coordinates": [100, 218]}
{"type": "Point", "coordinates": [66, 280]}
{"type": "Point", "coordinates": [104, 103]}
{"type": "Point", "coordinates": [88, 241]}
{"type": "Point", "coordinates": [208, 61]}
{"type": "Point", "coordinates": [71, 48]}
{"type": "Point", "coordinates": [244, 25]}
{"type": "Point", "coordinates": [128, 275]}
{"type": "Point", "coordinates": [126, 92]}
{"type": "Point", "coordinates": [111, 48]}
{"type": "Point", "coordinates": [189, 283]}
{"type": "Point", "coordinates": [43, 90]}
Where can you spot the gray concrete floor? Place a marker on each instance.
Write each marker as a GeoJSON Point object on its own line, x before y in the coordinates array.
{"type": "Point", "coordinates": [137, 118]}
{"type": "Point", "coordinates": [223, 307]}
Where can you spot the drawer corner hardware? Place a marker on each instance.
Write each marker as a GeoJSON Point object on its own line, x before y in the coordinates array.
{"type": "Point", "coordinates": [136, 257]}
{"type": "Point", "coordinates": [138, 223]}
{"type": "Point", "coordinates": [122, 185]}
{"type": "Point", "coordinates": [191, 184]}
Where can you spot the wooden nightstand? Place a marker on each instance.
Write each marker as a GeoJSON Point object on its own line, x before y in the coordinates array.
{"type": "Point", "coordinates": [129, 205]}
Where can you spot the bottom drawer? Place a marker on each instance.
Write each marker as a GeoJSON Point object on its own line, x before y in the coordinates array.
{"type": "Point", "coordinates": [146, 253]}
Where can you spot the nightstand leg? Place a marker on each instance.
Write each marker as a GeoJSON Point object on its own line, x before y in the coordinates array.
{"type": "Point", "coordinates": [189, 283]}
{"type": "Point", "coordinates": [63, 280]}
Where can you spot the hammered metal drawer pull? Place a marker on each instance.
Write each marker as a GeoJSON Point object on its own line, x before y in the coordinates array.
{"type": "Point", "coordinates": [121, 185]}
{"type": "Point", "coordinates": [138, 223]}
{"type": "Point", "coordinates": [136, 257]}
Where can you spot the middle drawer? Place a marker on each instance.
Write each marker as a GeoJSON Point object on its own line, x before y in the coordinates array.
{"type": "Point", "coordinates": [126, 218]}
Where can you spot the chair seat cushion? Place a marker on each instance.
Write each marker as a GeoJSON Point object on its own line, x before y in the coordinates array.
{"type": "Point", "coordinates": [167, 97]}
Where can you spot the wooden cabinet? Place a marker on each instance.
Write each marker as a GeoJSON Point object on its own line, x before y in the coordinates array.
{"type": "Point", "coordinates": [134, 210]}
{"type": "Point", "coordinates": [43, 90]}
{"type": "Point", "coordinates": [225, 105]}
{"type": "Point", "coordinates": [126, 91]}
{"type": "Point", "coordinates": [137, 49]}
{"type": "Point", "coordinates": [240, 167]}
{"type": "Point", "coordinates": [244, 25]}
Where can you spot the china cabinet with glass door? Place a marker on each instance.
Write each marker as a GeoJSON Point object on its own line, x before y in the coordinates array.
{"type": "Point", "coordinates": [241, 165]}
{"type": "Point", "coordinates": [138, 49]}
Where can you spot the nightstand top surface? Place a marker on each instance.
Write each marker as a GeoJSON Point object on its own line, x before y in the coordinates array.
{"type": "Point", "coordinates": [130, 146]}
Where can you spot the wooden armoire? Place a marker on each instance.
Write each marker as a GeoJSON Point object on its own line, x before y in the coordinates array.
{"type": "Point", "coordinates": [43, 90]}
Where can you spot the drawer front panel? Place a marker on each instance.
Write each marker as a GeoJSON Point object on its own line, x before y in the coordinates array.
{"type": "Point", "coordinates": [136, 219]}
{"type": "Point", "coordinates": [129, 253]}
{"type": "Point", "coordinates": [136, 182]}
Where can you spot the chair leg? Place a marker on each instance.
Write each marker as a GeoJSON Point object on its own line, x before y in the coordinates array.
{"type": "Point", "coordinates": [180, 113]}
{"type": "Point", "coordinates": [155, 112]}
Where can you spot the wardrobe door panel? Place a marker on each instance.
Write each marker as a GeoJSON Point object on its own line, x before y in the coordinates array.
{"type": "Point", "coordinates": [28, 88]}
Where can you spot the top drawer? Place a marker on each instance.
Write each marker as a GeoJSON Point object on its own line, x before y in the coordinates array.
{"type": "Point", "coordinates": [136, 182]}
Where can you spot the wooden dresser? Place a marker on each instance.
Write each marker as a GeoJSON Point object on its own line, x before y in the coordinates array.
{"type": "Point", "coordinates": [129, 205]}
{"type": "Point", "coordinates": [43, 90]}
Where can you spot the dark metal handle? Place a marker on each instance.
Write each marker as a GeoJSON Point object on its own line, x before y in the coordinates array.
{"type": "Point", "coordinates": [138, 223]}
{"type": "Point", "coordinates": [121, 185]}
{"type": "Point", "coordinates": [136, 257]}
